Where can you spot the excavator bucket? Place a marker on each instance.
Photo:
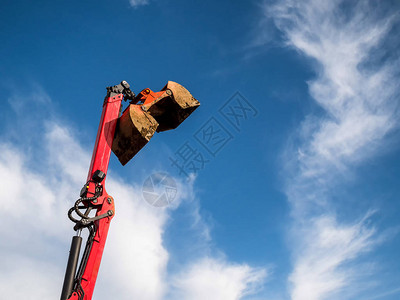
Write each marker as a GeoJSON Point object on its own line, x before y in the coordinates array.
{"type": "Point", "coordinates": [159, 111]}
{"type": "Point", "coordinates": [134, 129]}
{"type": "Point", "coordinates": [172, 107]}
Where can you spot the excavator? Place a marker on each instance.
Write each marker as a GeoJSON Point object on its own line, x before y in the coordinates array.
{"type": "Point", "coordinates": [125, 135]}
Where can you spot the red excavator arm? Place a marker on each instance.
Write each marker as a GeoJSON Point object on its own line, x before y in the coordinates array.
{"type": "Point", "coordinates": [125, 135]}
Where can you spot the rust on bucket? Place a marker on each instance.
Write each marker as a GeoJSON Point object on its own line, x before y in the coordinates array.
{"type": "Point", "coordinates": [172, 107]}
{"type": "Point", "coordinates": [134, 129]}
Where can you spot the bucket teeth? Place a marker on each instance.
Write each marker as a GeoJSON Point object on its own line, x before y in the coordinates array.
{"type": "Point", "coordinates": [172, 107]}
{"type": "Point", "coordinates": [134, 129]}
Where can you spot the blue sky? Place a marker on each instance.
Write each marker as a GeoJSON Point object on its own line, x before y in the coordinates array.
{"type": "Point", "coordinates": [300, 202]}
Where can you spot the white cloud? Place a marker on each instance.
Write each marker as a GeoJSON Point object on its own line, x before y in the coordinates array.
{"type": "Point", "coordinates": [32, 211]}
{"type": "Point", "coordinates": [212, 278]}
{"type": "Point", "coordinates": [35, 213]}
{"type": "Point", "coordinates": [359, 101]}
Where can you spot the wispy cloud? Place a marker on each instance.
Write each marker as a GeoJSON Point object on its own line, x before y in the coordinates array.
{"type": "Point", "coordinates": [324, 249]}
{"type": "Point", "coordinates": [385, 294]}
{"type": "Point", "coordinates": [356, 90]}
{"type": "Point", "coordinates": [137, 3]}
